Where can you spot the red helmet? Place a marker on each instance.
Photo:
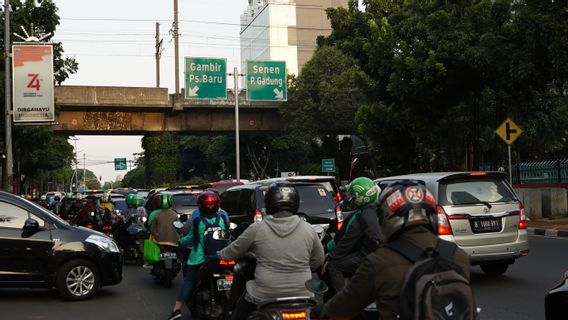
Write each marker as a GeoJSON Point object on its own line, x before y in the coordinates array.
{"type": "Point", "coordinates": [208, 202]}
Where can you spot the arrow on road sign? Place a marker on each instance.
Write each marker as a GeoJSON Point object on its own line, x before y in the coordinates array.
{"type": "Point", "coordinates": [509, 131]}
{"type": "Point", "coordinates": [279, 94]}
{"type": "Point", "coordinates": [193, 91]}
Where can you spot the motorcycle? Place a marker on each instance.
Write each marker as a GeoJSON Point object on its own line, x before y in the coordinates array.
{"type": "Point", "coordinates": [291, 307]}
{"type": "Point", "coordinates": [130, 236]}
{"type": "Point", "coordinates": [211, 296]}
{"type": "Point", "coordinates": [168, 267]}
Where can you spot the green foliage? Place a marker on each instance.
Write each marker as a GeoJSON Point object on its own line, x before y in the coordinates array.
{"type": "Point", "coordinates": [135, 178]}
{"type": "Point", "coordinates": [161, 158]}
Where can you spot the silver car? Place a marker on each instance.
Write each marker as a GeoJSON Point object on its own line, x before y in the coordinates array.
{"type": "Point", "coordinates": [480, 212]}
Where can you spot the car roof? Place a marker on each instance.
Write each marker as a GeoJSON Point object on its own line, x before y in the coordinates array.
{"type": "Point", "coordinates": [438, 176]}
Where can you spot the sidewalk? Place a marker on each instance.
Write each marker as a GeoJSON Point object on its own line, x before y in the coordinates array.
{"type": "Point", "coordinates": [554, 228]}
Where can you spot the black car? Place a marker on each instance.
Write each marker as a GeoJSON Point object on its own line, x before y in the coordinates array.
{"type": "Point", "coordinates": [245, 204]}
{"type": "Point", "coordinates": [38, 249]}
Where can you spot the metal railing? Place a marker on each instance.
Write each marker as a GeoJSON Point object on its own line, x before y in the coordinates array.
{"type": "Point", "coordinates": [546, 171]}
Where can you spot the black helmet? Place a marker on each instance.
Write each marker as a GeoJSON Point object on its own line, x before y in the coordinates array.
{"type": "Point", "coordinates": [404, 204]}
{"type": "Point", "coordinates": [281, 197]}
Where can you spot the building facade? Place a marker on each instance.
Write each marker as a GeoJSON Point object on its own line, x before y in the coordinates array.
{"type": "Point", "coordinates": [284, 30]}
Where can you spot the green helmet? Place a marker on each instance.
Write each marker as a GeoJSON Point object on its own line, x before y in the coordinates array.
{"type": "Point", "coordinates": [131, 199]}
{"type": "Point", "coordinates": [139, 201]}
{"type": "Point", "coordinates": [363, 191]}
{"type": "Point", "coordinates": [165, 201]}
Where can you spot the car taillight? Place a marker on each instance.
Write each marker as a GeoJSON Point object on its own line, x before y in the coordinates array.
{"type": "Point", "coordinates": [257, 216]}
{"type": "Point", "coordinates": [294, 315]}
{"type": "Point", "coordinates": [444, 227]}
{"type": "Point", "coordinates": [339, 217]}
{"type": "Point", "coordinates": [338, 197]}
{"type": "Point", "coordinates": [227, 262]}
{"type": "Point", "coordinates": [523, 218]}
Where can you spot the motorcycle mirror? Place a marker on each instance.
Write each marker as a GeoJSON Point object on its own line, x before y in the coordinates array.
{"type": "Point", "coordinates": [232, 226]}
{"type": "Point", "coordinates": [177, 224]}
{"type": "Point", "coordinates": [316, 286]}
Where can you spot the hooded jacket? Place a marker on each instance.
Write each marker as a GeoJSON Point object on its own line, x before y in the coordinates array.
{"type": "Point", "coordinates": [287, 249]}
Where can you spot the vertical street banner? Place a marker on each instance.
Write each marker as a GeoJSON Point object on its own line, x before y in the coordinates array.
{"type": "Point", "coordinates": [32, 83]}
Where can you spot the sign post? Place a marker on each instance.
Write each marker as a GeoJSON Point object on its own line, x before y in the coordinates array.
{"type": "Point", "coordinates": [509, 131]}
{"type": "Point", "coordinates": [266, 81]}
{"type": "Point", "coordinates": [205, 78]}
{"type": "Point", "coordinates": [328, 165]}
{"type": "Point", "coordinates": [119, 163]}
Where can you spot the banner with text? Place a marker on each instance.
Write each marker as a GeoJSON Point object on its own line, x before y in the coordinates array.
{"type": "Point", "coordinates": [32, 83]}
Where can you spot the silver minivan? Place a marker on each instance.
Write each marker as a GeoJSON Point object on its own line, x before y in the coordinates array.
{"type": "Point", "coordinates": [480, 212]}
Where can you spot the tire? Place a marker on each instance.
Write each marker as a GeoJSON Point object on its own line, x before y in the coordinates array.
{"type": "Point", "coordinates": [77, 280]}
{"type": "Point", "coordinates": [494, 269]}
{"type": "Point", "coordinates": [167, 281]}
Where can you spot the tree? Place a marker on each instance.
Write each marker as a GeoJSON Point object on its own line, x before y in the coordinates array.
{"type": "Point", "coordinates": [135, 178]}
{"type": "Point", "coordinates": [161, 156]}
{"type": "Point", "coordinates": [36, 148]}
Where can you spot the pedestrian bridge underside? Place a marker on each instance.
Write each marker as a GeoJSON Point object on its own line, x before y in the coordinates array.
{"type": "Point", "coordinates": [134, 111]}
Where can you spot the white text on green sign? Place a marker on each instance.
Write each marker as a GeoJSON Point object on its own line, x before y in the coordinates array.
{"type": "Point", "coordinates": [266, 81]}
{"type": "Point", "coordinates": [205, 78]}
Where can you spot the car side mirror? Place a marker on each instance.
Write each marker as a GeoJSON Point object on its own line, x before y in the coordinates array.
{"type": "Point", "coordinates": [232, 226]}
{"type": "Point", "coordinates": [31, 226]}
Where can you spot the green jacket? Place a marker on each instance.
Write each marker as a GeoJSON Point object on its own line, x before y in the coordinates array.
{"type": "Point", "coordinates": [197, 255]}
{"type": "Point", "coordinates": [151, 217]}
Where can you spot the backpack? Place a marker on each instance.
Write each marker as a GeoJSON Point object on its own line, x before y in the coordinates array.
{"type": "Point", "coordinates": [210, 244]}
{"type": "Point", "coordinates": [434, 287]}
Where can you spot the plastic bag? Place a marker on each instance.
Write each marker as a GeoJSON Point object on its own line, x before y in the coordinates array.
{"type": "Point", "coordinates": [151, 251]}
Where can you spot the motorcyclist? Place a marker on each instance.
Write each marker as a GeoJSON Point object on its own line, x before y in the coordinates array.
{"type": "Point", "coordinates": [208, 203]}
{"type": "Point", "coordinates": [406, 210]}
{"type": "Point", "coordinates": [287, 249]}
{"type": "Point", "coordinates": [359, 236]}
{"type": "Point", "coordinates": [162, 227]}
{"type": "Point", "coordinates": [106, 203]}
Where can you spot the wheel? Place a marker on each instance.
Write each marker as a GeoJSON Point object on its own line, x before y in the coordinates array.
{"type": "Point", "coordinates": [494, 269]}
{"type": "Point", "coordinates": [167, 281]}
{"type": "Point", "coordinates": [77, 280]}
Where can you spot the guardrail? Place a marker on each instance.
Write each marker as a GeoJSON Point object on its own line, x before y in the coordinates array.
{"type": "Point", "coordinates": [546, 171]}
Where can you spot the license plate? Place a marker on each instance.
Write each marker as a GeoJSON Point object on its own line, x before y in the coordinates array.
{"type": "Point", "coordinates": [168, 255]}
{"type": "Point", "coordinates": [224, 284]}
{"type": "Point", "coordinates": [486, 225]}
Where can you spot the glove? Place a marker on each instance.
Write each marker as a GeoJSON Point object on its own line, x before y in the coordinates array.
{"type": "Point", "coordinates": [316, 312]}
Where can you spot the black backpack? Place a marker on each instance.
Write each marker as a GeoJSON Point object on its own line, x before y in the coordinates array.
{"type": "Point", "coordinates": [211, 244]}
{"type": "Point", "coordinates": [435, 287]}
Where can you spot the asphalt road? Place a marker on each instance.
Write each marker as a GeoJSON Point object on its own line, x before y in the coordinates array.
{"type": "Point", "coordinates": [517, 295]}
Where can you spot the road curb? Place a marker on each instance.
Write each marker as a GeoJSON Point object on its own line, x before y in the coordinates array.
{"type": "Point", "coordinates": [548, 232]}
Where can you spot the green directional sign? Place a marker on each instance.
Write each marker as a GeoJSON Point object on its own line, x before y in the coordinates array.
{"type": "Point", "coordinates": [327, 165]}
{"type": "Point", "coordinates": [266, 81]}
{"type": "Point", "coordinates": [119, 163]}
{"type": "Point", "coordinates": [205, 78]}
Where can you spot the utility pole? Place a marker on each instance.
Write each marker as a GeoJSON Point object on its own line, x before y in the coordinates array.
{"type": "Point", "coordinates": [158, 54]}
{"type": "Point", "coordinates": [84, 170]}
{"type": "Point", "coordinates": [8, 168]}
{"type": "Point", "coordinates": [176, 46]}
{"type": "Point", "coordinates": [236, 75]}
{"type": "Point", "coordinates": [76, 163]}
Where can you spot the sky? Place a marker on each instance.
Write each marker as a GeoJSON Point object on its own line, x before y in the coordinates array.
{"type": "Point", "coordinates": [114, 44]}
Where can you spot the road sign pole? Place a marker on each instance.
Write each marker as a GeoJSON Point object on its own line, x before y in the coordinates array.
{"type": "Point", "coordinates": [237, 140]}
{"type": "Point", "coordinates": [510, 167]}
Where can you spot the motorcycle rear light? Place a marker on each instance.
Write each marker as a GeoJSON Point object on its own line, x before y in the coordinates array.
{"type": "Point", "coordinates": [338, 197]}
{"type": "Point", "coordinates": [339, 217]}
{"type": "Point", "coordinates": [107, 228]}
{"type": "Point", "coordinates": [230, 278]}
{"type": "Point", "coordinates": [444, 227]}
{"type": "Point", "coordinates": [227, 262]}
{"type": "Point", "coordinates": [257, 216]}
{"type": "Point", "coordinates": [294, 315]}
{"type": "Point", "coordinates": [523, 217]}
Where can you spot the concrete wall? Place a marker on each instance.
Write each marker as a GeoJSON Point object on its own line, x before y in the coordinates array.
{"type": "Point", "coordinates": [544, 202]}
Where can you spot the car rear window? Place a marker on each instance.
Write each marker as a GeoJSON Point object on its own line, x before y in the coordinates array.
{"type": "Point", "coordinates": [120, 205]}
{"type": "Point", "coordinates": [471, 191]}
{"type": "Point", "coordinates": [315, 200]}
{"type": "Point", "coordinates": [182, 201]}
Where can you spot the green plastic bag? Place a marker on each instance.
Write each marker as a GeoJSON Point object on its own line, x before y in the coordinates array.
{"type": "Point", "coordinates": [151, 251]}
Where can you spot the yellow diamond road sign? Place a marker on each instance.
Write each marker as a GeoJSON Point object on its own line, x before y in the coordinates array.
{"type": "Point", "coordinates": [509, 131]}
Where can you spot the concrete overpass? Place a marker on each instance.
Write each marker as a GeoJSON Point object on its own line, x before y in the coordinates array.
{"type": "Point", "coordinates": [134, 111]}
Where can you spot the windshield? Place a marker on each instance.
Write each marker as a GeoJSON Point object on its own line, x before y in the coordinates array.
{"type": "Point", "coordinates": [184, 201]}
{"type": "Point", "coordinates": [315, 200]}
{"type": "Point", "coordinates": [474, 191]}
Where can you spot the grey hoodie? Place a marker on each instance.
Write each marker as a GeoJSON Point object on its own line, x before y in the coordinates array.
{"type": "Point", "coordinates": [286, 248]}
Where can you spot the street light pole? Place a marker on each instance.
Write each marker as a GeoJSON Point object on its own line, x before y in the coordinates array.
{"type": "Point", "coordinates": [84, 169]}
{"type": "Point", "coordinates": [7, 177]}
{"type": "Point", "coordinates": [176, 45]}
{"type": "Point", "coordinates": [236, 75]}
